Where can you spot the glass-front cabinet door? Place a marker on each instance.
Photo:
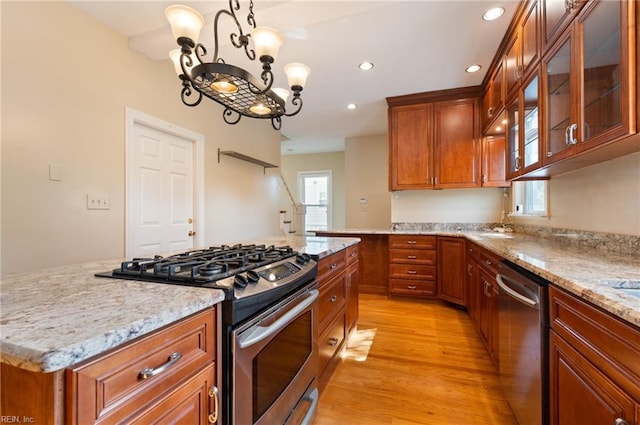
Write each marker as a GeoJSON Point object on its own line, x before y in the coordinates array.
{"type": "Point", "coordinates": [602, 71]}
{"type": "Point", "coordinates": [514, 160]}
{"type": "Point", "coordinates": [557, 74]}
{"type": "Point", "coordinates": [523, 137]}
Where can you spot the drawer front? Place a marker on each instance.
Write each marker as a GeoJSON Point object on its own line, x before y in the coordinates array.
{"type": "Point", "coordinates": [413, 256]}
{"type": "Point", "coordinates": [331, 340]}
{"type": "Point", "coordinates": [473, 250]}
{"type": "Point", "coordinates": [412, 271]}
{"type": "Point", "coordinates": [608, 342]}
{"type": "Point", "coordinates": [412, 241]}
{"type": "Point", "coordinates": [331, 300]}
{"type": "Point", "coordinates": [489, 261]}
{"type": "Point", "coordinates": [352, 254]}
{"type": "Point", "coordinates": [112, 386]}
{"type": "Point", "coordinates": [191, 403]}
{"type": "Point", "coordinates": [414, 288]}
{"type": "Point", "coordinates": [328, 266]}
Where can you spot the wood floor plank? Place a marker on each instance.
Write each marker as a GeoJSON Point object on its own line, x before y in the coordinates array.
{"type": "Point", "coordinates": [413, 363]}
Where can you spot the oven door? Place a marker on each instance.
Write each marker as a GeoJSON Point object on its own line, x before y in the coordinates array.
{"type": "Point", "coordinates": [275, 362]}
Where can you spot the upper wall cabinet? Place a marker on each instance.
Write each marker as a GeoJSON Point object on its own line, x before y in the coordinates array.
{"type": "Point", "coordinates": [434, 141]}
{"type": "Point", "coordinates": [556, 16]}
{"type": "Point", "coordinates": [493, 99]}
{"type": "Point", "coordinates": [589, 81]}
{"type": "Point", "coordinates": [522, 51]}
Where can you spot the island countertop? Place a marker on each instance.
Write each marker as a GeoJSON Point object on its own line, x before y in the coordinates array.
{"type": "Point", "coordinates": [583, 271]}
{"type": "Point", "coordinates": [54, 318]}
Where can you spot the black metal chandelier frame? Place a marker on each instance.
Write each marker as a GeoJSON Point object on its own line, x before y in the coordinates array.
{"type": "Point", "coordinates": [251, 90]}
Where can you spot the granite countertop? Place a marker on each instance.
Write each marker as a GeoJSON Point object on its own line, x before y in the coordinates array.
{"type": "Point", "coordinates": [55, 318]}
{"type": "Point", "coordinates": [583, 271]}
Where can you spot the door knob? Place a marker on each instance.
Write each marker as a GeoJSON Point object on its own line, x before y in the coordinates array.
{"type": "Point", "coordinates": [191, 233]}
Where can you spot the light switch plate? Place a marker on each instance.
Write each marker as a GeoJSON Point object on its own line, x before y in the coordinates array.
{"type": "Point", "coordinates": [55, 172]}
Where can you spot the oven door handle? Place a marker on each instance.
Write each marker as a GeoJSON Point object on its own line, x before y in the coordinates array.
{"type": "Point", "coordinates": [257, 333]}
{"type": "Point", "coordinates": [313, 398]}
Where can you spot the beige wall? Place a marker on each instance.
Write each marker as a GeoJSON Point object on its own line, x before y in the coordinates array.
{"type": "Point", "coordinates": [333, 161]}
{"type": "Point", "coordinates": [66, 80]}
{"type": "Point", "coordinates": [367, 174]}
{"type": "Point", "coordinates": [600, 198]}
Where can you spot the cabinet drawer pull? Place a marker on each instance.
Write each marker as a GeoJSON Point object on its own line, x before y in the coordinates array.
{"type": "Point", "coordinates": [333, 266]}
{"type": "Point", "coordinates": [470, 270]}
{"type": "Point", "coordinates": [333, 298]}
{"type": "Point", "coordinates": [333, 342]}
{"type": "Point", "coordinates": [213, 395]}
{"type": "Point", "coordinates": [412, 272]}
{"type": "Point", "coordinates": [412, 287]}
{"type": "Point", "coordinates": [412, 242]}
{"type": "Point", "coordinates": [620, 421]}
{"type": "Point", "coordinates": [488, 262]}
{"type": "Point", "coordinates": [411, 257]}
{"type": "Point", "coordinates": [148, 372]}
{"type": "Point", "coordinates": [353, 254]}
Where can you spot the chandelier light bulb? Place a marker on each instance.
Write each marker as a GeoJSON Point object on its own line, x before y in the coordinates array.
{"type": "Point", "coordinates": [185, 22]}
{"type": "Point", "coordinates": [260, 108]}
{"type": "Point", "coordinates": [224, 86]}
{"type": "Point", "coordinates": [297, 74]}
{"type": "Point", "coordinates": [267, 42]}
{"type": "Point", "coordinates": [282, 93]}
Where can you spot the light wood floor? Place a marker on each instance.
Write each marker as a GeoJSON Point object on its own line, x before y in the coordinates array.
{"type": "Point", "coordinates": [413, 362]}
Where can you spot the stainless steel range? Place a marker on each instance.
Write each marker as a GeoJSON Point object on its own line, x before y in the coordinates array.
{"type": "Point", "coordinates": [270, 353]}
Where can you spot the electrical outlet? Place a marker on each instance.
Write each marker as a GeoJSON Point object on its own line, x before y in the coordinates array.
{"type": "Point", "coordinates": [97, 201]}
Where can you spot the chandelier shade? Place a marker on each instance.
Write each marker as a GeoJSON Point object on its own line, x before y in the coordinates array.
{"type": "Point", "coordinates": [240, 92]}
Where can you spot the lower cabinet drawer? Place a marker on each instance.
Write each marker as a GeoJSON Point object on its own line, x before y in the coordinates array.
{"type": "Point", "coordinates": [415, 288]}
{"type": "Point", "coordinates": [414, 256]}
{"type": "Point", "coordinates": [193, 402]}
{"type": "Point", "coordinates": [412, 271]}
{"type": "Point", "coordinates": [116, 385]}
{"type": "Point", "coordinates": [332, 298]}
{"type": "Point", "coordinates": [331, 340]}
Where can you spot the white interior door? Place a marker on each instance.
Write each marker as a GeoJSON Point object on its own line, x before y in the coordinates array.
{"type": "Point", "coordinates": [162, 206]}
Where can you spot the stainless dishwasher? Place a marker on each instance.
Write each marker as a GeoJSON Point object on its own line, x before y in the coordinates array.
{"type": "Point", "coordinates": [523, 341]}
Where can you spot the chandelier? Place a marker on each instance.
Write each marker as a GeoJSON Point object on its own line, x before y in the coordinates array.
{"type": "Point", "coordinates": [240, 92]}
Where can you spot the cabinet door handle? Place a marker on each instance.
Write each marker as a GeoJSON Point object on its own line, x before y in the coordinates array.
{"type": "Point", "coordinates": [620, 421]}
{"type": "Point", "coordinates": [412, 287]}
{"type": "Point", "coordinates": [486, 289]}
{"type": "Point", "coordinates": [213, 395]}
{"type": "Point", "coordinates": [148, 372]}
{"type": "Point", "coordinates": [470, 269]}
{"type": "Point", "coordinates": [569, 138]}
{"type": "Point", "coordinates": [517, 163]}
{"type": "Point", "coordinates": [490, 112]}
{"type": "Point", "coordinates": [333, 342]}
{"type": "Point", "coordinates": [333, 298]}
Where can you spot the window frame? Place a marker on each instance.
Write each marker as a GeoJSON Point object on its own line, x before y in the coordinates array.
{"type": "Point", "coordinates": [329, 204]}
{"type": "Point", "coordinates": [523, 193]}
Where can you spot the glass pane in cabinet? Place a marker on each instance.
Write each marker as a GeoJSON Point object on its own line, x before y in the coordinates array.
{"type": "Point", "coordinates": [531, 144]}
{"type": "Point", "coordinates": [558, 70]}
{"type": "Point", "coordinates": [601, 70]}
{"type": "Point", "coordinates": [513, 138]}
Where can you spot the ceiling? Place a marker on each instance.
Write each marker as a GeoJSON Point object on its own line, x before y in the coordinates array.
{"type": "Point", "coordinates": [416, 46]}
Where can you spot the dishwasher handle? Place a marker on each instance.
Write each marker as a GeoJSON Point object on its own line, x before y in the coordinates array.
{"type": "Point", "coordinates": [528, 301]}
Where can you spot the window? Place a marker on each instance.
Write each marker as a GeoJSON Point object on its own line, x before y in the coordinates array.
{"type": "Point", "coordinates": [315, 194]}
{"type": "Point", "coordinates": [531, 198]}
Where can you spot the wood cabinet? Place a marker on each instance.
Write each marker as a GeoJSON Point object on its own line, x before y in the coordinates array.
{"type": "Point", "coordinates": [589, 81]}
{"type": "Point", "coordinates": [451, 272]}
{"type": "Point", "coordinates": [522, 50]}
{"type": "Point", "coordinates": [373, 260]}
{"type": "Point", "coordinates": [434, 140]}
{"type": "Point", "coordinates": [167, 374]}
{"type": "Point", "coordinates": [523, 135]}
{"type": "Point", "coordinates": [481, 268]}
{"type": "Point", "coordinates": [493, 99]}
{"type": "Point", "coordinates": [494, 173]}
{"type": "Point", "coordinates": [412, 266]}
{"type": "Point", "coordinates": [337, 307]}
{"type": "Point", "coordinates": [594, 368]}
{"type": "Point", "coordinates": [556, 16]}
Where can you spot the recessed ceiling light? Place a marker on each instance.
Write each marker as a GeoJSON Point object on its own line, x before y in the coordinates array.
{"type": "Point", "coordinates": [493, 14]}
{"type": "Point", "coordinates": [366, 66]}
{"type": "Point", "coordinates": [352, 106]}
{"type": "Point", "coordinates": [473, 68]}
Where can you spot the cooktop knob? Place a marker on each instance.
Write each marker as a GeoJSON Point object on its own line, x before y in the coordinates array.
{"type": "Point", "coordinates": [253, 276]}
{"type": "Point", "coordinates": [300, 259]}
{"type": "Point", "coordinates": [239, 281]}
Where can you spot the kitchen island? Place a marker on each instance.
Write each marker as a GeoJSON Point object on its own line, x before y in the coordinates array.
{"type": "Point", "coordinates": [54, 319]}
